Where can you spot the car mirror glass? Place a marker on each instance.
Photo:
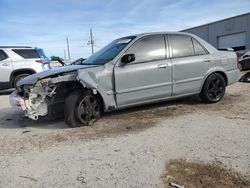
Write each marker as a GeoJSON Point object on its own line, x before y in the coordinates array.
{"type": "Point", "coordinates": [128, 58]}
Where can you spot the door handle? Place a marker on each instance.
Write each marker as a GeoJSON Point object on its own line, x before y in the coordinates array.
{"type": "Point", "coordinates": [5, 64]}
{"type": "Point", "coordinates": [162, 66]}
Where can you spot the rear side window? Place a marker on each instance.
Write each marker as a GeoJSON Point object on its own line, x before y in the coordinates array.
{"type": "Point", "coordinates": [148, 49]}
{"type": "Point", "coordinates": [27, 53]}
{"type": "Point", "coordinates": [3, 55]}
{"type": "Point", "coordinates": [182, 46]}
{"type": "Point", "coordinates": [198, 49]}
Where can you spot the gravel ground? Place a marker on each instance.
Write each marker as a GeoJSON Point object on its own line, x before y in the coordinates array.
{"type": "Point", "coordinates": [128, 148]}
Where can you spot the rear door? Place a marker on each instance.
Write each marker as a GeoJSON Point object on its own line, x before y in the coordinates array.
{"type": "Point", "coordinates": [25, 58]}
{"type": "Point", "coordinates": [29, 58]}
{"type": "Point", "coordinates": [191, 61]}
{"type": "Point", "coordinates": [149, 77]}
{"type": "Point", "coordinates": [5, 67]}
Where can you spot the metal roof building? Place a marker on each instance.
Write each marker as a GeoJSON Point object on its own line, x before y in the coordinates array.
{"type": "Point", "coordinates": [232, 32]}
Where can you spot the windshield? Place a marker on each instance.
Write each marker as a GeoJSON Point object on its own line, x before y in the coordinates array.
{"type": "Point", "coordinates": [108, 52]}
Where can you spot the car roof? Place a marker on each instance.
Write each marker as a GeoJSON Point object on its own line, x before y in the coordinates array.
{"type": "Point", "coordinates": [161, 33]}
{"type": "Point", "coordinates": [208, 46]}
{"type": "Point", "coordinates": [17, 47]}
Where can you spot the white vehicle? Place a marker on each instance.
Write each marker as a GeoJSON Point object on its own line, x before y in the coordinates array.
{"type": "Point", "coordinates": [17, 62]}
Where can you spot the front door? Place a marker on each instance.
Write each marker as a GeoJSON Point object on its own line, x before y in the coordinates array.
{"type": "Point", "coordinates": [146, 79]}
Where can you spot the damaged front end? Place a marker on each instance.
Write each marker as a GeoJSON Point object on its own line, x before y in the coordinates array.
{"type": "Point", "coordinates": [38, 99]}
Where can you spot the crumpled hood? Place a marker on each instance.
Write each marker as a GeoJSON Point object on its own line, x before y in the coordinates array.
{"type": "Point", "coordinates": [32, 79]}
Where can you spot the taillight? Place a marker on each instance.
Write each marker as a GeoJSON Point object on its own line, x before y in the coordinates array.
{"type": "Point", "coordinates": [41, 61]}
{"type": "Point", "coordinates": [238, 60]}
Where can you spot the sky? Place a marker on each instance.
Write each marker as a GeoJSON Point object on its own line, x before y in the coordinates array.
{"type": "Point", "coordinates": [46, 23]}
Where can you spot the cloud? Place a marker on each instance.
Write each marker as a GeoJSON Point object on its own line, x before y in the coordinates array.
{"type": "Point", "coordinates": [46, 23]}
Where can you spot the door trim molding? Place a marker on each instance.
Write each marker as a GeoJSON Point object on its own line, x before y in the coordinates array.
{"type": "Point", "coordinates": [143, 88]}
{"type": "Point", "coordinates": [188, 80]}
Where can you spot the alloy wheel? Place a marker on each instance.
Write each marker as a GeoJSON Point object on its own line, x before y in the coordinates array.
{"type": "Point", "coordinates": [88, 109]}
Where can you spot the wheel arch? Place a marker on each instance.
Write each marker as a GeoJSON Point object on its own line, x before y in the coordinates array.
{"type": "Point", "coordinates": [76, 85]}
{"type": "Point", "coordinates": [20, 71]}
{"type": "Point", "coordinates": [212, 72]}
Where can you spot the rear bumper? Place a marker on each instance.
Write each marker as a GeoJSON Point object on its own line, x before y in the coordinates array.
{"type": "Point", "coordinates": [5, 85]}
{"type": "Point", "coordinates": [233, 76]}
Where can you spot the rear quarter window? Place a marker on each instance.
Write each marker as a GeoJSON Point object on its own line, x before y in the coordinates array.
{"type": "Point", "coordinates": [27, 53]}
{"type": "Point", "coordinates": [198, 49]}
{"type": "Point", "coordinates": [3, 55]}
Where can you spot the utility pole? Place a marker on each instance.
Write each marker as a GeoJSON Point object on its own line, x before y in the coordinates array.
{"type": "Point", "coordinates": [64, 54]}
{"type": "Point", "coordinates": [67, 40]}
{"type": "Point", "coordinates": [91, 42]}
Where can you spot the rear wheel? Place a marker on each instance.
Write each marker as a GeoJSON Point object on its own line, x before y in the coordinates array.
{"type": "Point", "coordinates": [82, 108]}
{"type": "Point", "coordinates": [18, 78]}
{"type": "Point", "coordinates": [213, 89]}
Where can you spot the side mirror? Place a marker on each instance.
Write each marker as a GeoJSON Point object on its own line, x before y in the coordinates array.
{"type": "Point", "coordinates": [128, 58]}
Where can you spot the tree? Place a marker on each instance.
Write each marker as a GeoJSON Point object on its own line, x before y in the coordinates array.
{"type": "Point", "coordinates": [56, 58]}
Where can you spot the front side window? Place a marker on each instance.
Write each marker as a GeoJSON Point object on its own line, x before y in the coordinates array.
{"type": "Point", "coordinates": [182, 46]}
{"type": "Point", "coordinates": [148, 49]}
{"type": "Point", "coordinates": [3, 55]}
{"type": "Point", "coordinates": [198, 49]}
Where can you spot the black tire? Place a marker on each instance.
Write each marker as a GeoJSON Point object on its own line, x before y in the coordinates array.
{"type": "Point", "coordinates": [18, 78]}
{"type": "Point", "coordinates": [82, 108]}
{"type": "Point", "coordinates": [213, 89]}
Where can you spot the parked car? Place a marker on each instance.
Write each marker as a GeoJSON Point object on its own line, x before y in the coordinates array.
{"type": "Point", "coordinates": [243, 60]}
{"type": "Point", "coordinates": [245, 78]}
{"type": "Point", "coordinates": [17, 62]}
{"type": "Point", "coordinates": [78, 61]}
{"type": "Point", "coordinates": [130, 71]}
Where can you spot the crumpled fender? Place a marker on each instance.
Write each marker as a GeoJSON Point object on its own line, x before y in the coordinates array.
{"type": "Point", "coordinates": [101, 82]}
{"type": "Point", "coordinates": [89, 81]}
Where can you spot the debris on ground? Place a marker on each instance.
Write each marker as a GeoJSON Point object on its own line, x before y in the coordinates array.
{"type": "Point", "coordinates": [198, 174]}
{"type": "Point", "coordinates": [81, 179]}
{"type": "Point", "coordinates": [27, 131]}
{"type": "Point", "coordinates": [175, 185]}
{"type": "Point", "coordinates": [27, 177]}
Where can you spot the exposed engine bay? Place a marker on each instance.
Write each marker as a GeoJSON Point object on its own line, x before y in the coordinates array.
{"type": "Point", "coordinates": [37, 100]}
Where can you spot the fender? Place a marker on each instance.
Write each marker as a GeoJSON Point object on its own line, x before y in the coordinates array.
{"type": "Point", "coordinates": [100, 82]}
